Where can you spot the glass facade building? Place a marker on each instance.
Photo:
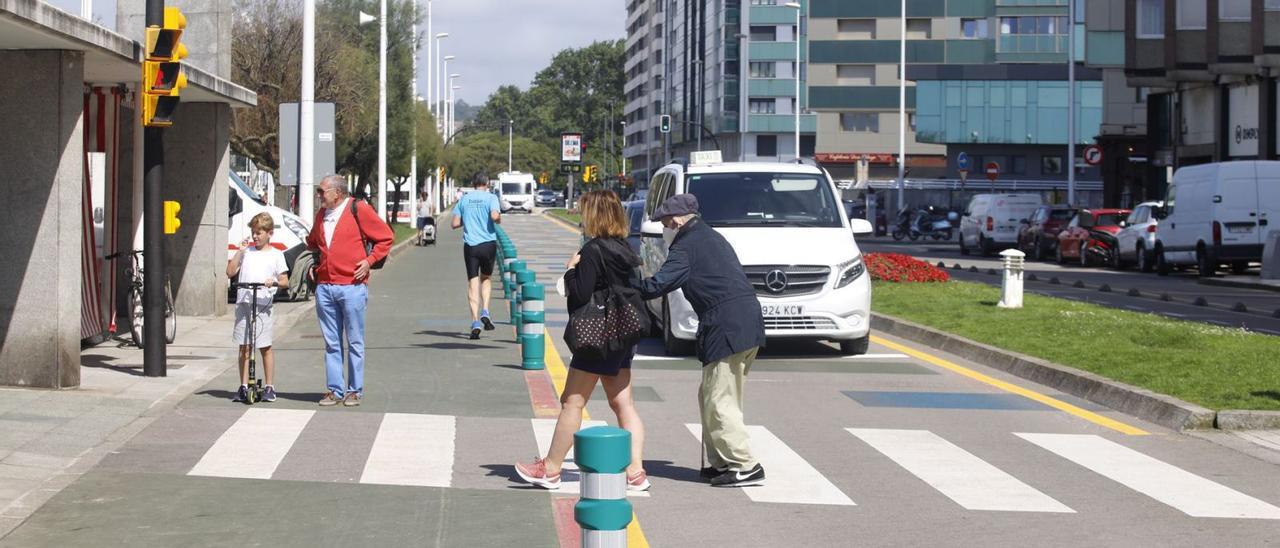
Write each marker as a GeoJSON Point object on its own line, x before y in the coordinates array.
{"type": "Point", "coordinates": [1004, 112]}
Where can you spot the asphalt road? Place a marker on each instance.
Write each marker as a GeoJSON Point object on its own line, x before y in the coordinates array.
{"type": "Point", "coordinates": [1178, 295]}
{"type": "Point", "coordinates": [905, 446]}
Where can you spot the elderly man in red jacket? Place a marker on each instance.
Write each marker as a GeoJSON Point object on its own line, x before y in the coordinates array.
{"type": "Point", "coordinates": [339, 234]}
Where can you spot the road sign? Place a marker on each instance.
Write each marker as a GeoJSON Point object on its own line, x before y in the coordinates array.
{"type": "Point", "coordinates": [1093, 155]}
{"type": "Point", "coordinates": [570, 147]}
{"type": "Point", "coordinates": [992, 170]}
{"type": "Point", "coordinates": [962, 161]}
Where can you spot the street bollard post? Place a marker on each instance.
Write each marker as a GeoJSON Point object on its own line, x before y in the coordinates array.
{"type": "Point", "coordinates": [603, 511]}
{"type": "Point", "coordinates": [1011, 286]}
{"type": "Point", "coordinates": [508, 256]}
{"type": "Point", "coordinates": [532, 321]}
{"type": "Point", "coordinates": [522, 277]}
{"type": "Point", "coordinates": [510, 281]}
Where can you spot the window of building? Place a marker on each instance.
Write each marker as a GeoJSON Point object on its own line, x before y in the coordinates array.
{"type": "Point", "coordinates": [762, 106]}
{"type": "Point", "coordinates": [1140, 94]}
{"type": "Point", "coordinates": [860, 122]}
{"type": "Point", "coordinates": [1191, 14]}
{"type": "Point", "coordinates": [764, 69]}
{"type": "Point", "coordinates": [764, 2]}
{"type": "Point", "coordinates": [1051, 165]}
{"type": "Point", "coordinates": [764, 33]}
{"type": "Point", "coordinates": [1018, 165]}
{"type": "Point", "coordinates": [1043, 24]}
{"type": "Point", "coordinates": [766, 145]}
{"type": "Point", "coordinates": [856, 75]}
{"type": "Point", "coordinates": [1234, 10]}
{"type": "Point", "coordinates": [856, 29]}
{"type": "Point", "coordinates": [1271, 5]}
{"type": "Point", "coordinates": [1150, 18]}
{"type": "Point", "coordinates": [973, 28]}
{"type": "Point", "coordinates": [919, 29]}
{"type": "Point", "coordinates": [731, 69]}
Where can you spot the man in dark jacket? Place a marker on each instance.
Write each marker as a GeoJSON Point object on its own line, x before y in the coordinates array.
{"type": "Point", "coordinates": [730, 332]}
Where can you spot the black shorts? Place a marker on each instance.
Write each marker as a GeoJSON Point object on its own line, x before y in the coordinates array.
{"type": "Point", "coordinates": [480, 258]}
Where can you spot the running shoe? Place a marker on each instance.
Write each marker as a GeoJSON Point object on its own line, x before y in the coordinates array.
{"type": "Point", "coordinates": [638, 482]}
{"type": "Point", "coordinates": [242, 394]}
{"type": "Point", "coordinates": [269, 393]}
{"type": "Point", "coordinates": [709, 472]}
{"type": "Point", "coordinates": [488, 323]}
{"type": "Point", "coordinates": [536, 473]}
{"type": "Point", "coordinates": [739, 478]}
{"type": "Point", "coordinates": [352, 399]}
{"type": "Point", "coordinates": [330, 399]}
{"type": "Point", "coordinates": [475, 330]}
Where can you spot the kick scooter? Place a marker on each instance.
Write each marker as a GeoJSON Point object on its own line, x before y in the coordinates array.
{"type": "Point", "coordinates": [255, 385]}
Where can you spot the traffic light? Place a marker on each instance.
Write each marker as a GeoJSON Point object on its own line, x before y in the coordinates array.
{"type": "Point", "coordinates": [162, 76]}
{"type": "Point", "coordinates": [586, 174]}
{"type": "Point", "coordinates": [595, 174]}
{"type": "Point", "coordinates": [665, 123]}
{"type": "Point", "coordinates": [171, 221]}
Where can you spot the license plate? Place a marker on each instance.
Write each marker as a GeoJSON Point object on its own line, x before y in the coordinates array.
{"type": "Point", "coordinates": [782, 309]}
{"type": "Point", "coordinates": [1240, 229]}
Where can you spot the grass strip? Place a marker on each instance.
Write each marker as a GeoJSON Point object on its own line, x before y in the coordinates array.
{"type": "Point", "coordinates": [403, 231]}
{"type": "Point", "coordinates": [565, 215]}
{"type": "Point", "coordinates": [1216, 367]}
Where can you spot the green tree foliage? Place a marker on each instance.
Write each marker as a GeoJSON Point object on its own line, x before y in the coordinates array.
{"type": "Point", "coordinates": [485, 152]}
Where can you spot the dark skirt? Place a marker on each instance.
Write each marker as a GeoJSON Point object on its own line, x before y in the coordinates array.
{"type": "Point", "coordinates": [606, 367]}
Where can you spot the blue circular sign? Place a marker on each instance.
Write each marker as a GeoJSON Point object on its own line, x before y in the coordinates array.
{"type": "Point", "coordinates": [962, 160]}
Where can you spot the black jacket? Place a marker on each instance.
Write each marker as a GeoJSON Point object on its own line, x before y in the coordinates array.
{"type": "Point", "coordinates": [603, 263]}
{"type": "Point", "coordinates": [703, 264]}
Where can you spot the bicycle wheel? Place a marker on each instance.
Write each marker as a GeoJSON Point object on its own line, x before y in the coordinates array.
{"type": "Point", "coordinates": [170, 317]}
{"type": "Point", "coordinates": [136, 314]}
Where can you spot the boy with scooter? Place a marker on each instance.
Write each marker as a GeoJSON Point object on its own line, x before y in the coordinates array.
{"type": "Point", "coordinates": [257, 262]}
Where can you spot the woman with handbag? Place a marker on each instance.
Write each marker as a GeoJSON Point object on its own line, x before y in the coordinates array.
{"type": "Point", "coordinates": [599, 279]}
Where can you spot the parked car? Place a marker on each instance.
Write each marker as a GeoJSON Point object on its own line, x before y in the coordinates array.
{"type": "Point", "coordinates": [1225, 214]}
{"type": "Point", "coordinates": [1075, 240]}
{"type": "Point", "coordinates": [547, 198]}
{"type": "Point", "coordinates": [786, 224]}
{"type": "Point", "coordinates": [1136, 242]}
{"type": "Point", "coordinates": [1038, 236]}
{"type": "Point", "coordinates": [290, 236]}
{"type": "Point", "coordinates": [857, 209]}
{"type": "Point", "coordinates": [990, 222]}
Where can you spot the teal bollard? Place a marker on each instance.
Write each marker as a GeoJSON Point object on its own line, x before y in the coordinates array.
{"type": "Point", "coordinates": [510, 281]}
{"type": "Point", "coordinates": [603, 511]}
{"type": "Point", "coordinates": [522, 277]}
{"type": "Point", "coordinates": [532, 317]}
{"type": "Point", "coordinates": [505, 267]}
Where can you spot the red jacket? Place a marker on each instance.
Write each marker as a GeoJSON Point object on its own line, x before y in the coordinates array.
{"type": "Point", "coordinates": [337, 264]}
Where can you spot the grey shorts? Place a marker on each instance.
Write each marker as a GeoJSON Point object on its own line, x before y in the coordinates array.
{"type": "Point", "coordinates": [264, 325]}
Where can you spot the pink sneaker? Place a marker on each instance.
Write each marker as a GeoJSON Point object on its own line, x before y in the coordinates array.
{"type": "Point", "coordinates": [638, 482]}
{"type": "Point", "coordinates": [536, 473]}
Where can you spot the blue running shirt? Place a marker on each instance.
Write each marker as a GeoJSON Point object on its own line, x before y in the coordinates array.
{"type": "Point", "coordinates": [474, 209]}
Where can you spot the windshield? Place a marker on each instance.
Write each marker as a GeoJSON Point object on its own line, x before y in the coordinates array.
{"type": "Point", "coordinates": [244, 188]}
{"type": "Point", "coordinates": [513, 188]}
{"type": "Point", "coordinates": [1062, 214]}
{"type": "Point", "coordinates": [765, 199]}
{"type": "Point", "coordinates": [1109, 219]}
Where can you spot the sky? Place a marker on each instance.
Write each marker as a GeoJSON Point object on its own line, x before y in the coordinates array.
{"type": "Point", "coordinates": [497, 42]}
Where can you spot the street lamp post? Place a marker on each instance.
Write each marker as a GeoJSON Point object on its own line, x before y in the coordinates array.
{"type": "Point", "coordinates": [510, 141]}
{"type": "Point", "coordinates": [450, 131]}
{"type": "Point", "coordinates": [1071, 102]}
{"type": "Point", "coordinates": [902, 105]}
{"type": "Point", "coordinates": [438, 100]}
{"type": "Point", "coordinates": [382, 109]}
{"type": "Point", "coordinates": [796, 110]}
{"type": "Point", "coordinates": [622, 152]}
{"type": "Point", "coordinates": [413, 158]}
{"type": "Point", "coordinates": [444, 95]}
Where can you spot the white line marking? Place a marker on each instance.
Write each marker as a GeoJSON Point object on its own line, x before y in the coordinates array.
{"type": "Point", "coordinates": [570, 477]}
{"type": "Point", "coordinates": [1192, 494]}
{"type": "Point", "coordinates": [964, 478]}
{"type": "Point", "coordinates": [789, 479]}
{"type": "Point", "coordinates": [646, 358]}
{"type": "Point", "coordinates": [412, 450]}
{"type": "Point", "coordinates": [254, 446]}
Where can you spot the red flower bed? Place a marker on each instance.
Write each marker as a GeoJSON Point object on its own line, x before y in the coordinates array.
{"type": "Point", "coordinates": [896, 267]}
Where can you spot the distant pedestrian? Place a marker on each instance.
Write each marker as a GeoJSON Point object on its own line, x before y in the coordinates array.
{"type": "Point", "coordinates": [730, 333]}
{"type": "Point", "coordinates": [257, 262]}
{"type": "Point", "coordinates": [605, 261]}
{"type": "Point", "coordinates": [339, 234]}
{"type": "Point", "coordinates": [478, 214]}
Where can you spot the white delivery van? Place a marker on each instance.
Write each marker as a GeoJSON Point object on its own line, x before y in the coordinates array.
{"type": "Point", "coordinates": [990, 223]}
{"type": "Point", "coordinates": [516, 191]}
{"type": "Point", "coordinates": [1218, 213]}
{"type": "Point", "coordinates": [290, 235]}
{"type": "Point", "coordinates": [788, 228]}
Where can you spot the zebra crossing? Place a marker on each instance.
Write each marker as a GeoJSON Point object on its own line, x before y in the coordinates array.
{"type": "Point", "coordinates": [421, 450]}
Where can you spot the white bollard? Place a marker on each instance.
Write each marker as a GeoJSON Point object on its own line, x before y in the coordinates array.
{"type": "Point", "coordinates": [1011, 288]}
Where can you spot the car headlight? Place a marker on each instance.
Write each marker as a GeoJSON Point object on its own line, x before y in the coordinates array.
{"type": "Point", "coordinates": [296, 228]}
{"type": "Point", "coordinates": [849, 271]}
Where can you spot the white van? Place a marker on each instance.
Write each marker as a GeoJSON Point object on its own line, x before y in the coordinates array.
{"type": "Point", "coordinates": [1218, 213]}
{"type": "Point", "coordinates": [515, 190]}
{"type": "Point", "coordinates": [788, 228]}
{"type": "Point", "coordinates": [290, 235]}
{"type": "Point", "coordinates": [990, 223]}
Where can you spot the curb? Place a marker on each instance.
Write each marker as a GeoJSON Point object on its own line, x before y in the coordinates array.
{"type": "Point", "coordinates": [1233, 419]}
{"type": "Point", "coordinates": [1240, 285]}
{"type": "Point", "coordinates": [1157, 408]}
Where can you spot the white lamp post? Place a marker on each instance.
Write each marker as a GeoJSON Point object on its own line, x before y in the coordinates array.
{"type": "Point", "coordinates": [444, 96]}
{"type": "Point", "coordinates": [306, 112]}
{"type": "Point", "coordinates": [382, 103]}
{"type": "Point", "coordinates": [413, 158]}
{"type": "Point", "coordinates": [452, 122]}
{"type": "Point", "coordinates": [796, 110]}
{"type": "Point", "coordinates": [439, 96]}
{"type": "Point", "coordinates": [902, 106]}
{"type": "Point", "coordinates": [623, 150]}
{"type": "Point", "coordinates": [511, 139]}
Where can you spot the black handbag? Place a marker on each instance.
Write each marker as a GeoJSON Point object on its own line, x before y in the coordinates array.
{"type": "Point", "coordinates": [368, 247]}
{"type": "Point", "coordinates": [612, 321]}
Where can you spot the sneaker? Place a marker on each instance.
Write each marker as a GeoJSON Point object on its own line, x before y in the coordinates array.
{"type": "Point", "coordinates": [352, 400]}
{"type": "Point", "coordinates": [488, 322]}
{"type": "Point", "coordinates": [475, 330]}
{"type": "Point", "coordinates": [269, 393]}
{"type": "Point", "coordinates": [536, 473]}
{"type": "Point", "coordinates": [638, 482]}
{"type": "Point", "coordinates": [242, 394]}
{"type": "Point", "coordinates": [739, 478]}
{"type": "Point", "coordinates": [330, 399]}
{"type": "Point", "coordinates": [709, 472]}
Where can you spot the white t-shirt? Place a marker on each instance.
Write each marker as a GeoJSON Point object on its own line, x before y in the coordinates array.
{"type": "Point", "coordinates": [331, 217]}
{"type": "Point", "coordinates": [257, 266]}
{"type": "Point", "coordinates": [424, 209]}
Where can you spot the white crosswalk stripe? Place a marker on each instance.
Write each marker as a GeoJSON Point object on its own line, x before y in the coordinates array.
{"type": "Point", "coordinates": [254, 446]}
{"type": "Point", "coordinates": [963, 477]}
{"type": "Point", "coordinates": [412, 450]}
{"type": "Point", "coordinates": [789, 479]}
{"type": "Point", "coordinates": [1192, 494]}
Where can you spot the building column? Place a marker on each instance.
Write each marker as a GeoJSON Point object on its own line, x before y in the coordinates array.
{"type": "Point", "coordinates": [42, 166]}
{"type": "Point", "coordinates": [1268, 130]}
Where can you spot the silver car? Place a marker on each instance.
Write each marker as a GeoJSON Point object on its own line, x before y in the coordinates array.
{"type": "Point", "coordinates": [1137, 240]}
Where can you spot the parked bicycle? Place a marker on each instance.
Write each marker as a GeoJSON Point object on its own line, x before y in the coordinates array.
{"type": "Point", "coordinates": [136, 310]}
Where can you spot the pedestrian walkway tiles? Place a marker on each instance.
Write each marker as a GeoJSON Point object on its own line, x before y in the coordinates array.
{"type": "Point", "coordinates": [422, 450]}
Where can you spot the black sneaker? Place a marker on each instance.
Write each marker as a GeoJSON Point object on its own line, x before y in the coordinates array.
{"type": "Point", "coordinates": [488, 323]}
{"type": "Point", "coordinates": [709, 472]}
{"type": "Point", "coordinates": [738, 478]}
{"type": "Point", "coordinates": [242, 394]}
{"type": "Point", "coordinates": [475, 333]}
{"type": "Point", "coordinates": [269, 393]}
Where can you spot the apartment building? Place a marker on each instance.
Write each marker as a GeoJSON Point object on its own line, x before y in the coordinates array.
{"type": "Point", "coordinates": [643, 89]}
{"type": "Point", "coordinates": [1128, 174]}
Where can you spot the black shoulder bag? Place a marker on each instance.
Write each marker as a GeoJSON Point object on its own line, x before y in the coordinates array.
{"type": "Point", "coordinates": [368, 247]}
{"type": "Point", "coordinates": [613, 320]}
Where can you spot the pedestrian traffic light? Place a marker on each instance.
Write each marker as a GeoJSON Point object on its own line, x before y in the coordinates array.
{"type": "Point", "coordinates": [666, 123]}
{"type": "Point", "coordinates": [171, 221]}
{"type": "Point", "coordinates": [162, 75]}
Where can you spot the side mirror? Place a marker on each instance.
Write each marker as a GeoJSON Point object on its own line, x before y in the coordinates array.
{"type": "Point", "coordinates": [860, 226]}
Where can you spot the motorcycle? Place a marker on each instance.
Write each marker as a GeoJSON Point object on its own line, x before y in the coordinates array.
{"type": "Point", "coordinates": [925, 222]}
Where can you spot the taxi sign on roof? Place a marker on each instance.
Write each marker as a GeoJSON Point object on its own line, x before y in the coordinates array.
{"type": "Point", "coordinates": [705, 157]}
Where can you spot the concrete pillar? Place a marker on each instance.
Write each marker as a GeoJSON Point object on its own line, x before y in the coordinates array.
{"type": "Point", "coordinates": [208, 33]}
{"type": "Point", "coordinates": [197, 159]}
{"type": "Point", "coordinates": [42, 166]}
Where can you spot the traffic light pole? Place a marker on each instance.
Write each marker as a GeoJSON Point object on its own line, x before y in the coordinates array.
{"type": "Point", "coordinates": [153, 352]}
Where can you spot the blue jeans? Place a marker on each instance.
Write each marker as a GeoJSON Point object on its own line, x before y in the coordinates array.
{"type": "Point", "coordinates": [341, 310]}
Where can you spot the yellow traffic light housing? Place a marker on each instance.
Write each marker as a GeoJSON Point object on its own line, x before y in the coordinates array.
{"type": "Point", "coordinates": [162, 74]}
{"type": "Point", "coordinates": [586, 174]}
{"type": "Point", "coordinates": [171, 220]}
